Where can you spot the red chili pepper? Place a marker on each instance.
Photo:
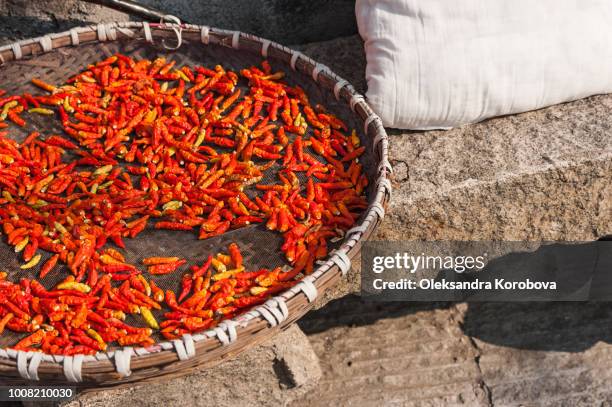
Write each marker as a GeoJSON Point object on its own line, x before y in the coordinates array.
{"type": "Point", "coordinates": [186, 284]}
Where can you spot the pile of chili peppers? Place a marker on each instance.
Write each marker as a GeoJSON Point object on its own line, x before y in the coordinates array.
{"type": "Point", "coordinates": [180, 148]}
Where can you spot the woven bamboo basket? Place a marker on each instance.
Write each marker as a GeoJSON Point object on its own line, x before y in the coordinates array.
{"type": "Point", "coordinates": [56, 57]}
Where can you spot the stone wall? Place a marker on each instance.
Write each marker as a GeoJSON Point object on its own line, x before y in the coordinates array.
{"type": "Point", "coordinates": [285, 21]}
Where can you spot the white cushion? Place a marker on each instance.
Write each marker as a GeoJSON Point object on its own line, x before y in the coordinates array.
{"type": "Point", "coordinates": [444, 63]}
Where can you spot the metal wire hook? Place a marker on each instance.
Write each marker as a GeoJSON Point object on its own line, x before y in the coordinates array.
{"type": "Point", "coordinates": [176, 27]}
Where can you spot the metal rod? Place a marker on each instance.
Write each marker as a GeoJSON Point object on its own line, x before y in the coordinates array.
{"type": "Point", "coordinates": [131, 7]}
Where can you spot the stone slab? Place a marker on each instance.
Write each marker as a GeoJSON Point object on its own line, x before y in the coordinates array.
{"type": "Point", "coordinates": [546, 354]}
{"type": "Point", "coordinates": [294, 22]}
{"type": "Point", "coordinates": [271, 374]}
{"type": "Point", "coordinates": [405, 354]}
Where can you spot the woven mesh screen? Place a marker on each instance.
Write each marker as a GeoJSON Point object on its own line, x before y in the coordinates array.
{"type": "Point", "coordinates": [260, 247]}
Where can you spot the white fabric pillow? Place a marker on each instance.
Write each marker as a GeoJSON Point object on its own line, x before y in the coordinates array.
{"type": "Point", "coordinates": [444, 63]}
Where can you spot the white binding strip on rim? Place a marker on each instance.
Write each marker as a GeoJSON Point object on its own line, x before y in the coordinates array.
{"type": "Point", "coordinates": [34, 363]}
{"type": "Point", "coordinates": [102, 32]}
{"type": "Point", "coordinates": [265, 45]}
{"type": "Point", "coordinates": [230, 327]}
{"type": "Point", "coordinates": [22, 364]}
{"type": "Point", "coordinates": [294, 57]}
{"type": "Point", "coordinates": [308, 288]}
{"type": "Point", "coordinates": [179, 347]}
{"type": "Point", "coordinates": [74, 36]}
{"type": "Point", "coordinates": [123, 360]}
{"type": "Point", "coordinates": [147, 32]}
{"type": "Point", "coordinates": [380, 135]}
{"type": "Point", "coordinates": [185, 347]}
{"type": "Point", "coordinates": [356, 98]}
{"type": "Point", "coordinates": [101, 356]}
{"type": "Point", "coordinates": [111, 34]}
{"type": "Point", "coordinates": [188, 340]}
{"type": "Point", "coordinates": [205, 34]}
{"type": "Point", "coordinates": [77, 364]}
{"type": "Point", "coordinates": [45, 43]}
{"type": "Point", "coordinates": [72, 368]}
{"type": "Point", "coordinates": [384, 163]}
{"type": "Point", "coordinates": [141, 351]}
{"type": "Point", "coordinates": [68, 372]}
{"type": "Point", "coordinates": [125, 31]}
{"type": "Point", "coordinates": [278, 308]}
{"type": "Point", "coordinates": [267, 315]}
{"type": "Point", "coordinates": [166, 345]}
{"type": "Point", "coordinates": [368, 120]}
{"type": "Point", "coordinates": [317, 69]}
{"type": "Point", "coordinates": [357, 229]}
{"type": "Point", "coordinates": [281, 304]}
{"type": "Point", "coordinates": [16, 50]}
{"type": "Point", "coordinates": [342, 261]}
{"type": "Point", "coordinates": [378, 209]}
{"type": "Point", "coordinates": [236, 40]}
{"type": "Point", "coordinates": [338, 86]}
{"type": "Point", "coordinates": [386, 184]}
{"type": "Point", "coordinates": [230, 336]}
{"type": "Point", "coordinates": [276, 313]}
{"type": "Point", "coordinates": [222, 336]}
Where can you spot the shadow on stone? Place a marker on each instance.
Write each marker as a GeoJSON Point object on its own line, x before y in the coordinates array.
{"type": "Point", "coordinates": [560, 326]}
{"type": "Point", "coordinates": [354, 311]}
{"type": "Point", "coordinates": [550, 326]}
{"type": "Point", "coordinates": [555, 326]}
{"type": "Point", "coordinates": [21, 27]}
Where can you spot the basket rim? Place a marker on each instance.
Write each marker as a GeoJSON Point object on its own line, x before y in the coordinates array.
{"type": "Point", "coordinates": [279, 311]}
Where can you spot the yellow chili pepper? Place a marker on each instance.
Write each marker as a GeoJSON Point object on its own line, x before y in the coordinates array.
{"type": "Point", "coordinates": [41, 110]}
{"type": "Point", "coordinates": [33, 262]}
{"type": "Point", "coordinates": [103, 170]}
{"type": "Point", "coordinates": [228, 273]}
{"type": "Point", "coordinates": [148, 317]}
{"type": "Point", "coordinates": [172, 205]}
{"type": "Point", "coordinates": [60, 228]}
{"type": "Point", "coordinates": [200, 139]}
{"type": "Point", "coordinates": [73, 285]}
{"type": "Point", "coordinates": [118, 314]}
{"type": "Point", "coordinates": [67, 106]}
{"type": "Point", "coordinates": [224, 258]}
{"type": "Point", "coordinates": [7, 195]}
{"type": "Point", "coordinates": [219, 266]}
{"type": "Point", "coordinates": [7, 107]}
{"type": "Point", "coordinates": [22, 244]}
{"type": "Point", "coordinates": [108, 259]}
{"type": "Point", "coordinates": [95, 335]}
{"type": "Point", "coordinates": [258, 290]}
{"type": "Point", "coordinates": [182, 75]}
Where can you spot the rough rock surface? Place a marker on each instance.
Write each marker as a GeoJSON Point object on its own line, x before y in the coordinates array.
{"type": "Point", "coordinates": [288, 22]}
{"type": "Point", "coordinates": [277, 372]}
{"type": "Point", "coordinates": [405, 354]}
{"type": "Point", "coordinates": [541, 175]}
